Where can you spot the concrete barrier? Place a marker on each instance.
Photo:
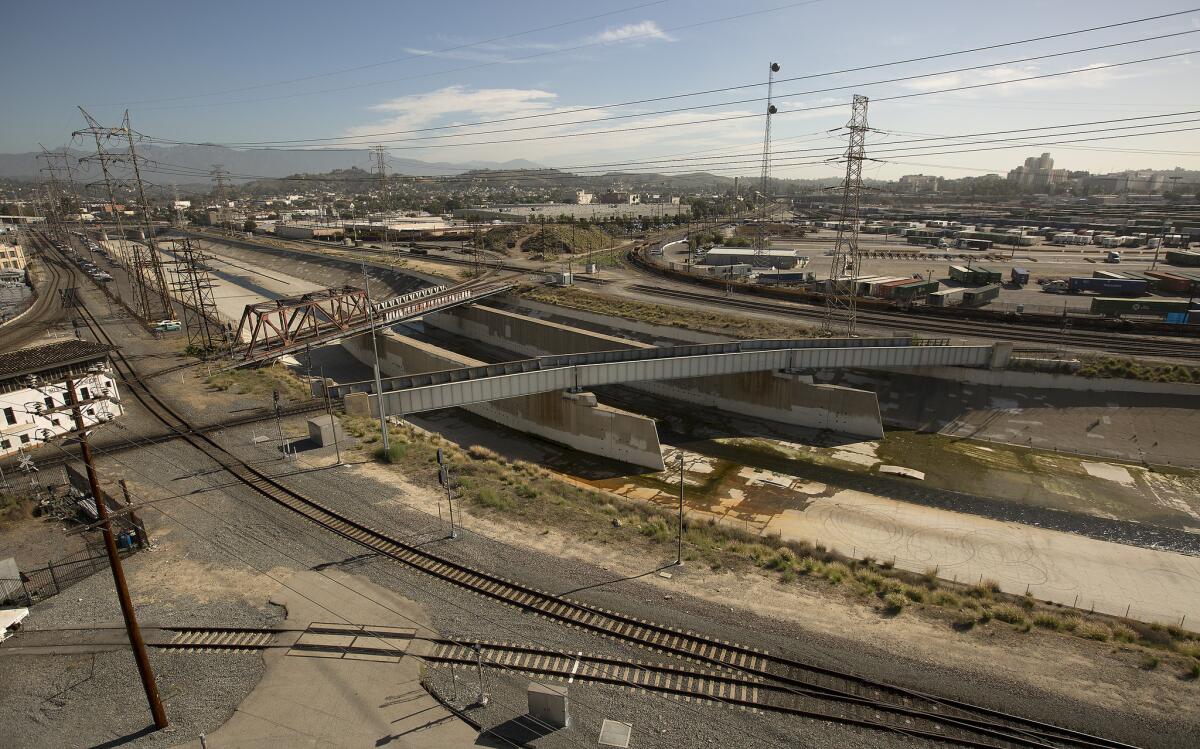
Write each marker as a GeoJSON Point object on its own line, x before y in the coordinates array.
{"type": "Point", "coordinates": [764, 395]}
{"type": "Point", "coordinates": [571, 419]}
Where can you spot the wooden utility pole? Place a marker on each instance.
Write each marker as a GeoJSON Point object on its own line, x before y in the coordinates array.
{"type": "Point", "coordinates": [118, 572]}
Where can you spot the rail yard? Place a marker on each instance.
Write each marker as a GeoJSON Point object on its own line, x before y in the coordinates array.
{"type": "Point", "coordinates": [513, 418]}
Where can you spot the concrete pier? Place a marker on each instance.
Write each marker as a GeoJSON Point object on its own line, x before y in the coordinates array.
{"type": "Point", "coordinates": [571, 419]}
{"type": "Point", "coordinates": [787, 399]}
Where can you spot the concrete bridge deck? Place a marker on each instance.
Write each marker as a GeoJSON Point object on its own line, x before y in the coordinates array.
{"type": "Point", "coordinates": [467, 385]}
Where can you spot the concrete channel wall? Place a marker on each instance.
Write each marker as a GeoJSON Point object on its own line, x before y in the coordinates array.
{"type": "Point", "coordinates": [571, 419]}
{"type": "Point", "coordinates": [765, 395]}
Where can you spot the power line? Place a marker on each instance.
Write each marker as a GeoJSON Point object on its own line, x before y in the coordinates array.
{"type": "Point", "coordinates": [728, 118]}
{"type": "Point", "coordinates": [414, 56]}
{"type": "Point", "coordinates": [793, 79]}
{"type": "Point", "coordinates": [733, 165]}
{"type": "Point", "coordinates": [561, 50]}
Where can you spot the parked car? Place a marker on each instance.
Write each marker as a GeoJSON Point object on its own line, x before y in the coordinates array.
{"type": "Point", "coordinates": [167, 326]}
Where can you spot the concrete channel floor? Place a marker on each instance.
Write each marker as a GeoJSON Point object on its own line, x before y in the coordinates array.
{"type": "Point", "coordinates": [319, 702]}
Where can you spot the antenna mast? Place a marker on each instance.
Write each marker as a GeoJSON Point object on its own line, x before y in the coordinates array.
{"type": "Point", "coordinates": [760, 236]}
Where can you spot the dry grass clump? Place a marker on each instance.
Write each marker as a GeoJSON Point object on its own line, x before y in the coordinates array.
{"type": "Point", "coordinates": [1010, 614]}
{"type": "Point", "coordinates": [1093, 631]}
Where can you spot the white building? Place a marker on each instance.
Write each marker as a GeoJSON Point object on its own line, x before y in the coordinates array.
{"type": "Point", "coordinates": [780, 259]}
{"type": "Point", "coordinates": [12, 256]}
{"type": "Point", "coordinates": [33, 391]}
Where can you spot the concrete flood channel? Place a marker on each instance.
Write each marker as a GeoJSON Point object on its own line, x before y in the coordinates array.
{"type": "Point", "coordinates": [777, 479]}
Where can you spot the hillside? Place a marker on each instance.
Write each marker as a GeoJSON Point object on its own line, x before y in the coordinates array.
{"type": "Point", "coordinates": [555, 239]}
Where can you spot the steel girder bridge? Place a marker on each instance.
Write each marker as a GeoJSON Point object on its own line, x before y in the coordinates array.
{"type": "Point", "coordinates": [575, 372]}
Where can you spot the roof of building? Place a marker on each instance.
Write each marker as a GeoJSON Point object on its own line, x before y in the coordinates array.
{"type": "Point", "coordinates": [40, 358]}
{"type": "Point", "coordinates": [719, 250]}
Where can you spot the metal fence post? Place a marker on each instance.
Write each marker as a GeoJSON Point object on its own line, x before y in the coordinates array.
{"type": "Point", "coordinates": [53, 577]}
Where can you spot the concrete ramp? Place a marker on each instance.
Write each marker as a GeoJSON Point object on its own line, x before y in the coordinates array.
{"type": "Point", "coordinates": [571, 419]}
{"type": "Point", "coordinates": [765, 395]}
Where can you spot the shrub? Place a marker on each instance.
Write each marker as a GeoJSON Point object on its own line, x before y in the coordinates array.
{"type": "Point", "coordinates": [1150, 662]}
{"type": "Point", "coordinates": [1124, 633]}
{"type": "Point", "coordinates": [525, 491]}
{"type": "Point", "coordinates": [1010, 614]}
{"type": "Point", "coordinates": [835, 572]}
{"type": "Point", "coordinates": [396, 452]}
{"type": "Point", "coordinates": [493, 499]}
{"type": "Point", "coordinates": [946, 598]}
{"type": "Point", "coordinates": [788, 577]}
{"type": "Point", "coordinates": [1048, 621]}
{"type": "Point", "coordinates": [964, 622]}
{"type": "Point", "coordinates": [783, 560]}
{"type": "Point", "coordinates": [869, 579]}
{"type": "Point", "coordinates": [1093, 631]}
{"type": "Point", "coordinates": [913, 593]}
{"type": "Point", "coordinates": [656, 529]}
{"type": "Point", "coordinates": [894, 603]}
{"type": "Point", "coordinates": [479, 452]}
{"type": "Point", "coordinates": [1194, 671]}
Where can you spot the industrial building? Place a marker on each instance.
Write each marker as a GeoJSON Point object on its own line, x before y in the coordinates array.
{"type": "Point", "coordinates": [778, 259]}
{"type": "Point", "coordinates": [33, 390]}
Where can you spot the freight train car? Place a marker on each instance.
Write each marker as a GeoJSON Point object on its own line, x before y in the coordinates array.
{"type": "Point", "coordinates": [977, 276]}
{"type": "Point", "coordinates": [1116, 306]}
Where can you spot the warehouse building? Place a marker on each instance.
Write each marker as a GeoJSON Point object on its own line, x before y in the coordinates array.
{"type": "Point", "coordinates": [778, 259]}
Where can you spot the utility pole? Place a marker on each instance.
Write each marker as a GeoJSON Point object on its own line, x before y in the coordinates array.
{"type": "Point", "coordinates": [329, 412]}
{"type": "Point", "coordinates": [679, 535]}
{"type": "Point", "coordinates": [114, 560]}
{"type": "Point", "coordinates": [383, 427]}
{"type": "Point", "coordinates": [839, 295]}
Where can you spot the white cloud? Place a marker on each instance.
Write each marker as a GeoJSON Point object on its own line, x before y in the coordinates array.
{"type": "Point", "coordinates": [641, 31]}
{"type": "Point", "coordinates": [1021, 78]}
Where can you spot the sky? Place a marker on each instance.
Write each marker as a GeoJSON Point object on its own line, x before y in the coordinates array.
{"type": "Point", "coordinates": [351, 74]}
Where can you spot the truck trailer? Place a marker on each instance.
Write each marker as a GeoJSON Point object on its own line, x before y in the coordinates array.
{"type": "Point", "coordinates": [1110, 286]}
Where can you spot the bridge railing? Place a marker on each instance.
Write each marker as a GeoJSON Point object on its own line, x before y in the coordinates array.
{"type": "Point", "coordinates": [410, 296]}
{"type": "Point", "coordinates": [557, 361]}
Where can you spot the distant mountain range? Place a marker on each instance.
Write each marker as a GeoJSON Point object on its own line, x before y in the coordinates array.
{"type": "Point", "coordinates": [189, 165]}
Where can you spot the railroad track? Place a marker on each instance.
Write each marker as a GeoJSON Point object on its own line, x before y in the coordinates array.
{"type": "Point", "coordinates": [860, 700]}
{"type": "Point", "coordinates": [46, 307]}
{"type": "Point", "coordinates": [1107, 342]}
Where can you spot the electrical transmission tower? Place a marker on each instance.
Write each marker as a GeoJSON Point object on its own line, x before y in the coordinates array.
{"type": "Point", "coordinates": [381, 167]}
{"type": "Point", "coordinates": [65, 188]}
{"type": "Point", "coordinates": [760, 236]}
{"type": "Point", "coordinates": [152, 298]}
{"type": "Point", "coordinates": [220, 177]}
{"type": "Point", "coordinates": [839, 294]}
{"type": "Point", "coordinates": [153, 267]}
{"type": "Point", "coordinates": [193, 286]}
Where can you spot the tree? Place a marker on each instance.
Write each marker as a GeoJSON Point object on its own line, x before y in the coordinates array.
{"type": "Point", "coordinates": [249, 226]}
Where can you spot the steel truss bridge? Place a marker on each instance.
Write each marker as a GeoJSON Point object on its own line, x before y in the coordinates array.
{"type": "Point", "coordinates": [282, 326]}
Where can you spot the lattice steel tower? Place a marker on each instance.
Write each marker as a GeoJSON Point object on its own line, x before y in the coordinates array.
{"type": "Point", "coordinates": [760, 236]}
{"type": "Point", "coordinates": [839, 295]}
{"type": "Point", "coordinates": [193, 286]}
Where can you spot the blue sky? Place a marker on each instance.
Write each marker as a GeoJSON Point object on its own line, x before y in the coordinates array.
{"type": "Point", "coordinates": [423, 65]}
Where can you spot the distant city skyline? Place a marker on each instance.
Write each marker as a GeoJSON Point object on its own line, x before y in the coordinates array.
{"type": "Point", "coordinates": [546, 77]}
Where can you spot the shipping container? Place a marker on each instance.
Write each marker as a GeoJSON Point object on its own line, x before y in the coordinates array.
{"type": "Point", "coordinates": [978, 275]}
{"type": "Point", "coordinates": [1108, 274]}
{"type": "Point", "coordinates": [885, 290]}
{"type": "Point", "coordinates": [1170, 281]}
{"type": "Point", "coordinates": [1183, 257]}
{"type": "Point", "coordinates": [913, 291]}
{"type": "Point", "coordinates": [1020, 276]}
{"type": "Point", "coordinates": [981, 296]}
{"type": "Point", "coordinates": [945, 298]}
{"type": "Point", "coordinates": [873, 286]}
{"type": "Point", "coordinates": [1120, 286]}
{"type": "Point", "coordinates": [1114, 306]}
